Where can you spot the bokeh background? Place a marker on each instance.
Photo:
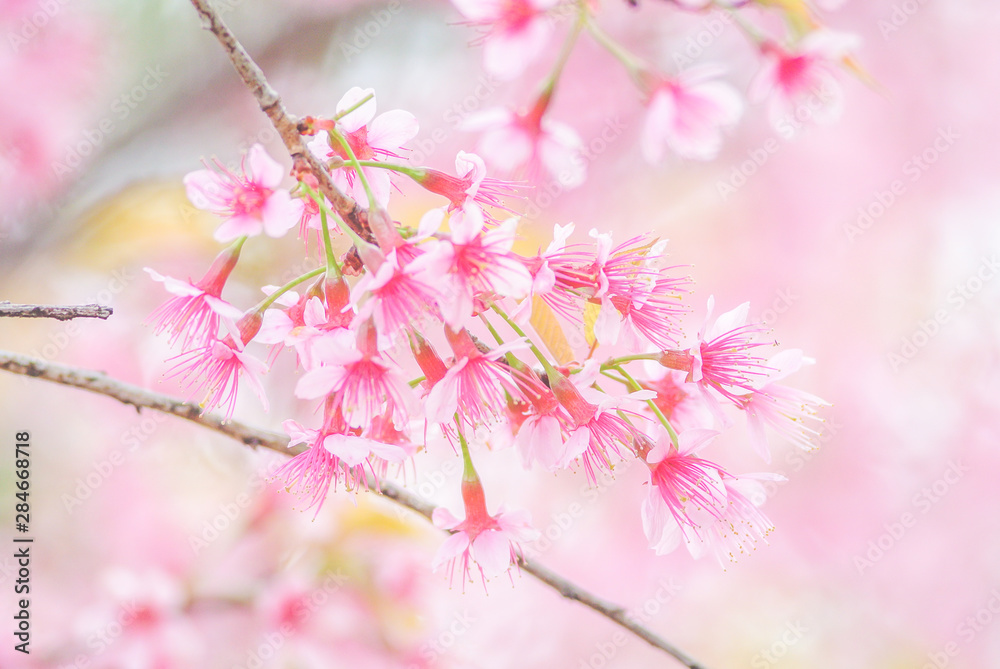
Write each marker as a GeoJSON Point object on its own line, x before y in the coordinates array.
{"type": "Point", "coordinates": [871, 242]}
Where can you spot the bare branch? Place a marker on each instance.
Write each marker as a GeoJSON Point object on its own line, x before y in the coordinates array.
{"type": "Point", "coordinates": [8, 310]}
{"type": "Point", "coordinates": [140, 398]}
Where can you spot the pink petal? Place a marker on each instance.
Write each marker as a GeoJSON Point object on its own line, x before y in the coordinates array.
{"type": "Point", "coordinates": [362, 115]}
{"type": "Point", "coordinates": [280, 213]}
{"type": "Point", "coordinates": [492, 552]}
{"type": "Point", "coordinates": [263, 169]}
{"type": "Point", "coordinates": [318, 382]}
{"type": "Point", "coordinates": [507, 53]}
{"type": "Point", "coordinates": [452, 547]}
{"type": "Point", "coordinates": [392, 129]}
{"type": "Point", "coordinates": [238, 226]}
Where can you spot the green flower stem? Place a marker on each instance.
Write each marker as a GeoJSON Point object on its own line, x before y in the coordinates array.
{"type": "Point", "coordinates": [332, 268]}
{"type": "Point", "coordinates": [550, 82]}
{"type": "Point", "coordinates": [635, 66]}
{"type": "Point", "coordinates": [546, 365]}
{"type": "Point", "coordinates": [614, 362]}
{"type": "Point", "coordinates": [372, 204]}
{"type": "Point", "coordinates": [357, 105]}
{"type": "Point", "coordinates": [270, 299]}
{"type": "Point", "coordinates": [652, 405]}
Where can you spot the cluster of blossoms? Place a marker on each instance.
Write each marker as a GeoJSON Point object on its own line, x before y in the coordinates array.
{"type": "Point", "coordinates": [687, 111]}
{"type": "Point", "coordinates": [440, 335]}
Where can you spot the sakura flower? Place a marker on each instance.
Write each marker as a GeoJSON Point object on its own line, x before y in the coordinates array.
{"type": "Point", "coordinates": [637, 298]}
{"type": "Point", "coordinates": [364, 383]}
{"type": "Point", "coordinates": [471, 262]}
{"type": "Point", "coordinates": [475, 385]}
{"type": "Point", "coordinates": [543, 434]}
{"type": "Point", "coordinates": [306, 326]}
{"type": "Point", "coordinates": [687, 115]}
{"type": "Point", "coordinates": [193, 314]}
{"type": "Point", "coordinates": [693, 500]}
{"type": "Point", "coordinates": [543, 277]}
{"type": "Point", "coordinates": [598, 431]}
{"type": "Point", "coordinates": [723, 361]}
{"type": "Point", "coordinates": [472, 187]}
{"type": "Point", "coordinates": [250, 202]}
{"type": "Point", "coordinates": [679, 401]}
{"type": "Point", "coordinates": [492, 543]}
{"type": "Point", "coordinates": [335, 454]}
{"type": "Point", "coordinates": [395, 297]}
{"type": "Point", "coordinates": [516, 32]}
{"type": "Point", "coordinates": [787, 411]}
{"type": "Point", "coordinates": [216, 370]}
{"type": "Point", "coordinates": [531, 142]}
{"type": "Point", "coordinates": [371, 138]}
{"type": "Point", "coordinates": [805, 78]}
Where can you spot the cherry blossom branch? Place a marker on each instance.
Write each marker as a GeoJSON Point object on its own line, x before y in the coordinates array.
{"type": "Point", "coordinates": [286, 125]}
{"type": "Point", "coordinates": [8, 310]}
{"type": "Point", "coordinates": [140, 398]}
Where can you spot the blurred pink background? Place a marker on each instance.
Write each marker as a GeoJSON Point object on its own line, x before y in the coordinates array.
{"type": "Point", "coordinates": [870, 242]}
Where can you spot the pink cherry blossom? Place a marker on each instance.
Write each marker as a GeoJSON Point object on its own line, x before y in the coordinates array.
{"type": "Point", "coordinates": [637, 298]}
{"type": "Point", "coordinates": [335, 455]}
{"type": "Point", "coordinates": [805, 76]}
{"type": "Point", "coordinates": [787, 411]}
{"type": "Point", "coordinates": [694, 500]}
{"type": "Point", "coordinates": [472, 187]}
{"type": "Point", "coordinates": [306, 327]}
{"type": "Point", "coordinates": [599, 432]}
{"type": "Point", "coordinates": [492, 543]}
{"type": "Point", "coordinates": [724, 360]}
{"type": "Point", "coordinates": [516, 32]}
{"type": "Point", "coordinates": [476, 385]}
{"type": "Point", "coordinates": [192, 316]}
{"type": "Point", "coordinates": [543, 434]}
{"type": "Point", "coordinates": [471, 262]}
{"type": "Point", "coordinates": [217, 368]}
{"type": "Point", "coordinates": [250, 202]}
{"type": "Point", "coordinates": [395, 297]}
{"type": "Point", "coordinates": [529, 142]}
{"type": "Point", "coordinates": [370, 138]}
{"type": "Point", "coordinates": [362, 382]}
{"type": "Point", "coordinates": [687, 115]}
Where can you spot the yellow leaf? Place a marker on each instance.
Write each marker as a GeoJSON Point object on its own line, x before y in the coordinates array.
{"type": "Point", "coordinates": [544, 320]}
{"type": "Point", "coordinates": [590, 313]}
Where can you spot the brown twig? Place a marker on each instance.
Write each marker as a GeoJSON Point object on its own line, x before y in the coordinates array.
{"type": "Point", "coordinates": [8, 310]}
{"type": "Point", "coordinates": [286, 125]}
{"type": "Point", "coordinates": [140, 398]}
